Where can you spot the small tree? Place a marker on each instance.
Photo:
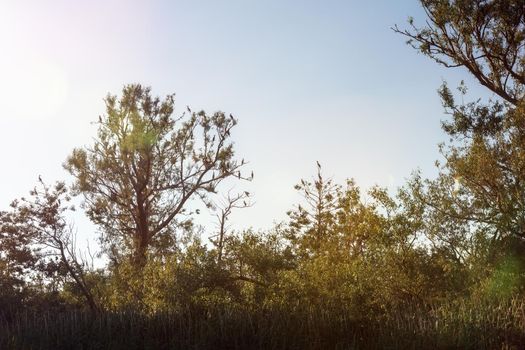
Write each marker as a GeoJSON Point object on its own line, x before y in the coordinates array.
{"type": "Point", "coordinates": [312, 223]}
{"type": "Point", "coordinates": [146, 165]}
{"type": "Point", "coordinates": [226, 206]}
{"type": "Point", "coordinates": [17, 259]}
{"type": "Point", "coordinates": [38, 224]}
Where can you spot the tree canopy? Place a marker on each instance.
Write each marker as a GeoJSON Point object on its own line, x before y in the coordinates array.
{"type": "Point", "coordinates": [485, 36]}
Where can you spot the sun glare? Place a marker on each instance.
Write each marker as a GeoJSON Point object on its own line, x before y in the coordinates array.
{"type": "Point", "coordinates": [32, 89]}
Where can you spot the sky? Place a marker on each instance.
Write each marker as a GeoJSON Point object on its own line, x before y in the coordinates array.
{"type": "Point", "coordinates": [309, 81]}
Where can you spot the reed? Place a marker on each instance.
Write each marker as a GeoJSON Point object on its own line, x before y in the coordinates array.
{"type": "Point", "coordinates": [449, 326]}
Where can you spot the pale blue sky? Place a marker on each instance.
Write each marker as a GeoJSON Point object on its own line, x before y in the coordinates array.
{"type": "Point", "coordinates": [308, 80]}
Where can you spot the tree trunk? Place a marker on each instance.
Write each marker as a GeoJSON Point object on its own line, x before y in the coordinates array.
{"type": "Point", "coordinates": [139, 255]}
{"type": "Point", "coordinates": [78, 277]}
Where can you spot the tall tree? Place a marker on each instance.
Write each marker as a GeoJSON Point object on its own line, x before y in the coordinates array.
{"type": "Point", "coordinates": [146, 165]}
{"type": "Point", "coordinates": [479, 195]}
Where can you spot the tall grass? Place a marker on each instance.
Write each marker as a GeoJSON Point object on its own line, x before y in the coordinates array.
{"type": "Point", "coordinates": [459, 326]}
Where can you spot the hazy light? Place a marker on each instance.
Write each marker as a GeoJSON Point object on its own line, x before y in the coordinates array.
{"type": "Point", "coordinates": [31, 89]}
